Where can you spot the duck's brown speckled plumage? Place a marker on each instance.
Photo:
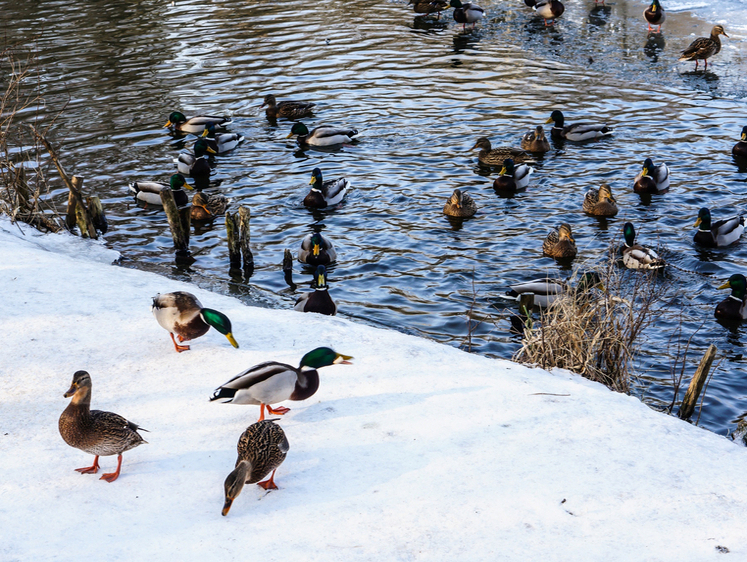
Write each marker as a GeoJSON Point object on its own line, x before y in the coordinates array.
{"type": "Point", "coordinates": [704, 48]}
{"type": "Point", "coordinates": [560, 243]}
{"type": "Point", "coordinates": [207, 207]}
{"type": "Point", "coordinates": [600, 202]}
{"type": "Point", "coordinates": [489, 156]}
{"type": "Point", "coordinates": [460, 205]}
{"type": "Point", "coordinates": [535, 141]}
{"type": "Point", "coordinates": [286, 109]}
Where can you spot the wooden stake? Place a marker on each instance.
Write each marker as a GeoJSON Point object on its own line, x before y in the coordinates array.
{"type": "Point", "coordinates": [82, 216]}
{"type": "Point", "coordinates": [696, 384]}
{"type": "Point", "coordinates": [177, 222]}
{"type": "Point", "coordinates": [244, 239]}
{"type": "Point", "coordinates": [234, 249]}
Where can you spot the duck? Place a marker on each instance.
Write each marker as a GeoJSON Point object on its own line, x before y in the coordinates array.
{"type": "Point", "coordinates": [560, 243]}
{"type": "Point", "coordinates": [600, 202]}
{"type": "Point", "coordinates": [182, 314]}
{"type": "Point", "coordinates": [196, 124]}
{"type": "Point", "coordinates": [719, 233]}
{"type": "Point", "coordinates": [578, 131]}
{"type": "Point", "coordinates": [96, 432]}
{"type": "Point", "coordinates": [734, 307]}
{"type": "Point", "coordinates": [636, 256]}
{"type": "Point", "coordinates": [652, 179]}
{"type": "Point", "coordinates": [512, 177]}
{"type": "Point", "coordinates": [460, 205]}
{"type": "Point", "coordinates": [271, 382]}
{"type": "Point", "coordinates": [547, 291]}
{"type": "Point", "coordinates": [286, 109]}
{"type": "Point", "coordinates": [322, 135]}
{"type": "Point", "coordinates": [740, 149]}
{"type": "Point", "coordinates": [655, 15]}
{"type": "Point", "coordinates": [704, 48]}
{"type": "Point", "coordinates": [196, 165]}
{"type": "Point", "coordinates": [489, 156]}
{"type": "Point", "coordinates": [549, 10]}
{"type": "Point", "coordinates": [149, 192]}
{"type": "Point", "coordinates": [535, 141]}
{"type": "Point", "coordinates": [428, 6]}
{"type": "Point", "coordinates": [207, 207]}
{"type": "Point", "coordinates": [317, 249]}
{"type": "Point", "coordinates": [325, 193]}
{"type": "Point", "coordinates": [221, 142]}
{"type": "Point", "coordinates": [466, 12]}
{"type": "Point", "coordinates": [262, 448]}
{"type": "Point", "coordinates": [318, 300]}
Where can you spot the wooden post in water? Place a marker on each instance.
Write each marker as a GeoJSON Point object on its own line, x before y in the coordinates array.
{"type": "Point", "coordinates": [696, 384]}
{"type": "Point", "coordinates": [288, 269]}
{"type": "Point", "coordinates": [234, 248]}
{"type": "Point", "coordinates": [244, 239]}
{"type": "Point", "coordinates": [179, 221]}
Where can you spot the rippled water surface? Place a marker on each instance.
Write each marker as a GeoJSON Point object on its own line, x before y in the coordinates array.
{"type": "Point", "coordinates": [420, 91]}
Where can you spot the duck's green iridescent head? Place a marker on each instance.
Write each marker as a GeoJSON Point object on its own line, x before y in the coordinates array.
{"type": "Point", "coordinates": [738, 285]}
{"type": "Point", "coordinates": [201, 148]}
{"type": "Point", "coordinates": [508, 167]}
{"type": "Point", "coordinates": [557, 118]}
{"type": "Point", "coordinates": [648, 165]}
{"type": "Point", "coordinates": [704, 219]}
{"type": "Point", "coordinates": [175, 118]}
{"type": "Point", "coordinates": [323, 357]}
{"type": "Point", "coordinates": [209, 132]}
{"type": "Point", "coordinates": [316, 244]}
{"type": "Point", "coordinates": [589, 280]}
{"type": "Point", "coordinates": [177, 181]}
{"type": "Point", "coordinates": [655, 5]}
{"type": "Point", "coordinates": [320, 277]}
{"type": "Point", "coordinates": [298, 129]}
{"type": "Point", "coordinates": [220, 322]}
{"type": "Point", "coordinates": [455, 4]}
{"type": "Point", "coordinates": [629, 233]}
{"type": "Point", "coordinates": [316, 178]}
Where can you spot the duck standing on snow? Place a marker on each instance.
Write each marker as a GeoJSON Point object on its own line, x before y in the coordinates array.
{"type": "Point", "coordinates": [317, 249]}
{"type": "Point", "coordinates": [560, 243]}
{"type": "Point", "coordinates": [262, 449]}
{"type": "Point", "coordinates": [549, 10]}
{"type": "Point", "coordinates": [94, 431]}
{"type": "Point", "coordinates": [460, 205]}
{"type": "Point", "coordinates": [322, 135]}
{"type": "Point", "coordinates": [636, 256]}
{"type": "Point", "coordinates": [466, 12]}
{"type": "Point", "coordinates": [272, 382]}
{"type": "Point", "coordinates": [318, 300]}
{"type": "Point", "coordinates": [489, 156]}
{"type": "Point", "coordinates": [325, 193]}
{"type": "Point", "coordinates": [535, 141]}
{"type": "Point", "coordinates": [740, 149]}
{"type": "Point", "coordinates": [196, 166]}
{"type": "Point", "coordinates": [654, 15]}
{"type": "Point", "coordinates": [286, 109]}
{"type": "Point", "coordinates": [600, 202]}
{"type": "Point", "coordinates": [576, 132]}
{"type": "Point", "coordinates": [207, 207]}
{"type": "Point", "coordinates": [734, 307]}
{"type": "Point", "coordinates": [719, 233]}
{"type": "Point", "coordinates": [149, 192]}
{"type": "Point", "coordinates": [704, 48]}
{"type": "Point", "coordinates": [194, 125]}
{"type": "Point", "coordinates": [652, 179]}
{"type": "Point", "coordinates": [513, 178]}
{"type": "Point", "coordinates": [221, 142]}
{"type": "Point", "coordinates": [182, 314]}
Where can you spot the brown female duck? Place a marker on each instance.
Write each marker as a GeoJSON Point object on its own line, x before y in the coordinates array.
{"type": "Point", "coordinates": [489, 156]}
{"type": "Point", "coordinates": [704, 48]}
{"type": "Point", "coordinates": [560, 243]}
{"type": "Point", "coordinates": [600, 202]}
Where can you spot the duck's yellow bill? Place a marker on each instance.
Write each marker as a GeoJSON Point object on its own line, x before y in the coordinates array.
{"type": "Point", "coordinates": [289, 136]}
{"type": "Point", "coordinates": [234, 343]}
{"type": "Point", "coordinates": [550, 120]}
{"type": "Point", "coordinates": [168, 124]}
{"type": "Point", "coordinates": [697, 222]}
{"type": "Point", "coordinates": [343, 359]}
{"type": "Point", "coordinates": [725, 286]}
{"type": "Point", "coordinates": [204, 133]}
{"type": "Point", "coordinates": [226, 507]}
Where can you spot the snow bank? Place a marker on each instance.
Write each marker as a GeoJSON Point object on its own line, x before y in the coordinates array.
{"type": "Point", "coordinates": [418, 451]}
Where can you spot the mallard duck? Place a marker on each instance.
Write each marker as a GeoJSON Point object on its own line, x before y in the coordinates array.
{"type": "Point", "coordinates": [428, 6]}
{"type": "Point", "coordinates": [96, 432]}
{"type": "Point", "coordinates": [325, 193]}
{"type": "Point", "coordinates": [719, 233]}
{"type": "Point", "coordinates": [734, 307]}
{"type": "Point", "coordinates": [546, 291]}
{"type": "Point", "coordinates": [740, 149]}
{"type": "Point", "coordinates": [512, 177]}
{"type": "Point", "coordinates": [272, 382]}
{"type": "Point", "coordinates": [317, 249]}
{"type": "Point", "coordinates": [535, 141]}
{"type": "Point", "coordinates": [318, 300]}
{"type": "Point", "coordinates": [460, 204]}
{"type": "Point", "coordinates": [221, 142]}
{"type": "Point", "coordinates": [207, 207]}
{"type": "Point", "coordinates": [636, 256]}
{"type": "Point", "coordinates": [549, 10]}
{"type": "Point", "coordinates": [466, 12]}
{"type": "Point", "coordinates": [655, 15]}
{"type": "Point", "coordinates": [322, 135]}
{"type": "Point", "coordinates": [196, 165]}
{"type": "Point", "coordinates": [560, 243]}
{"type": "Point", "coordinates": [149, 192]}
{"type": "Point", "coordinates": [490, 156]}
{"type": "Point", "coordinates": [182, 314]}
{"type": "Point", "coordinates": [652, 179]}
{"type": "Point", "coordinates": [286, 109]}
{"type": "Point", "coordinates": [262, 449]}
{"type": "Point", "coordinates": [196, 124]}
{"type": "Point", "coordinates": [704, 48]}
{"type": "Point", "coordinates": [578, 131]}
{"type": "Point", "coordinates": [600, 202]}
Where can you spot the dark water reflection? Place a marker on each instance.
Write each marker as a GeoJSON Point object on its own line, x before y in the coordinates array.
{"type": "Point", "coordinates": [421, 91]}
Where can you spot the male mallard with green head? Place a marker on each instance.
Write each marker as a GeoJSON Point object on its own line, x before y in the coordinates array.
{"type": "Point", "coordinates": [513, 177]}
{"type": "Point", "coordinates": [182, 314]}
{"type": "Point", "coordinates": [196, 166]}
{"type": "Point", "coordinates": [318, 300]}
{"type": "Point", "coordinates": [549, 10]}
{"type": "Point", "coordinates": [460, 205]}
{"type": "Point", "coordinates": [196, 124]}
{"type": "Point", "coordinates": [636, 256]}
{"type": "Point", "coordinates": [600, 202]}
{"type": "Point", "coordinates": [221, 142]}
{"type": "Point", "coordinates": [740, 149]}
{"type": "Point", "coordinates": [704, 48]}
{"type": "Point", "coordinates": [286, 109]}
{"type": "Point", "coordinates": [262, 449]}
{"type": "Point", "coordinates": [654, 15]}
{"type": "Point", "coordinates": [546, 291]}
{"type": "Point", "coordinates": [719, 233]}
{"type": "Point", "coordinates": [734, 307]}
{"type": "Point", "coordinates": [325, 193]}
{"type": "Point", "coordinates": [317, 249]}
{"type": "Point", "coordinates": [322, 135]}
{"type": "Point", "coordinates": [576, 132]}
{"type": "Point", "coordinates": [560, 243]}
{"type": "Point", "coordinates": [272, 382]}
{"type": "Point", "coordinates": [149, 192]}
{"type": "Point", "coordinates": [94, 431]}
{"type": "Point", "coordinates": [652, 179]}
{"type": "Point", "coordinates": [489, 156]}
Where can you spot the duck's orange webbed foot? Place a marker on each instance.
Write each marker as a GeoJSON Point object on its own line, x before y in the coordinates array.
{"type": "Point", "coordinates": [269, 484]}
{"type": "Point", "coordinates": [112, 476]}
{"type": "Point", "coordinates": [90, 469]}
{"type": "Point", "coordinates": [179, 348]}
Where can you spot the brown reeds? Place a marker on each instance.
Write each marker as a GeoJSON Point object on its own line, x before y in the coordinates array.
{"type": "Point", "coordinates": [594, 332]}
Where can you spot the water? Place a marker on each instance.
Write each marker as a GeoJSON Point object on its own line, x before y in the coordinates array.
{"type": "Point", "coordinates": [420, 91]}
